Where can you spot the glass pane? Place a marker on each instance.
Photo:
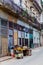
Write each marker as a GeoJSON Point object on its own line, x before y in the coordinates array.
{"type": "Point", "coordinates": [10, 44]}
{"type": "Point", "coordinates": [19, 40]}
{"type": "Point", "coordinates": [26, 42]}
{"type": "Point", "coordinates": [23, 34]}
{"type": "Point", "coordinates": [3, 28]}
{"type": "Point", "coordinates": [22, 41]}
{"type": "Point", "coordinates": [27, 35]}
{"type": "Point", "coordinates": [3, 22]}
{"type": "Point", "coordinates": [23, 4]}
{"type": "Point", "coordinates": [10, 32]}
{"type": "Point", "coordinates": [10, 24]}
{"type": "Point", "coordinates": [4, 31]}
{"type": "Point", "coordinates": [19, 34]}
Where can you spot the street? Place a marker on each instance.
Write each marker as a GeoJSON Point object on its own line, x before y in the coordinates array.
{"type": "Point", "coordinates": [35, 59]}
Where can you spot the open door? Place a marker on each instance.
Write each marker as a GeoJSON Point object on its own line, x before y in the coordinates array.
{"type": "Point", "coordinates": [31, 39]}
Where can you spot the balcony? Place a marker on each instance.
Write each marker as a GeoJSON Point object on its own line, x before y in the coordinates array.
{"type": "Point", "coordinates": [13, 9]}
{"type": "Point", "coordinates": [38, 7]}
{"type": "Point", "coordinates": [37, 16]}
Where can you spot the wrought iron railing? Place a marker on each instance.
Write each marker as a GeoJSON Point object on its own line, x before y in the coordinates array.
{"type": "Point", "coordinates": [10, 4]}
{"type": "Point", "coordinates": [14, 7]}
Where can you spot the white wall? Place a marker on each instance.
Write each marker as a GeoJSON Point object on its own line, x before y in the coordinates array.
{"type": "Point", "coordinates": [41, 38]}
{"type": "Point", "coordinates": [23, 23]}
{"type": "Point", "coordinates": [36, 37]}
{"type": "Point", "coordinates": [39, 2]}
{"type": "Point", "coordinates": [41, 18]}
{"type": "Point", "coordinates": [17, 2]}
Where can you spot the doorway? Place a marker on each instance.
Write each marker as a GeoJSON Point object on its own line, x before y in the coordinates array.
{"type": "Point", "coordinates": [31, 39]}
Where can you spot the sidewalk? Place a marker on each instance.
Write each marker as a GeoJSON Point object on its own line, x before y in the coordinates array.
{"type": "Point", "coordinates": [34, 51]}
{"type": "Point", "coordinates": [5, 58]}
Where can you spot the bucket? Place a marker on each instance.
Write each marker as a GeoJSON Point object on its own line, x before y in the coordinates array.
{"type": "Point", "coordinates": [12, 53]}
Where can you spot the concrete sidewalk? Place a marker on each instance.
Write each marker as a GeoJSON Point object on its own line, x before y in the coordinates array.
{"type": "Point", "coordinates": [34, 51]}
{"type": "Point", "coordinates": [5, 58]}
{"type": "Point", "coordinates": [35, 59]}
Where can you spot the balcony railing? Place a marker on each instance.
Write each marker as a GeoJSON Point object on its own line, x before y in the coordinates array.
{"type": "Point", "coordinates": [16, 9]}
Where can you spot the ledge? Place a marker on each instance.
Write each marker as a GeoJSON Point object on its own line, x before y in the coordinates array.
{"type": "Point", "coordinates": [19, 16]}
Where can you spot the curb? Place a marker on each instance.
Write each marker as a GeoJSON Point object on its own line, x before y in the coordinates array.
{"type": "Point", "coordinates": [5, 59]}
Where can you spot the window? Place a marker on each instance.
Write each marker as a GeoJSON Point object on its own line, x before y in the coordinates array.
{"type": "Point", "coordinates": [27, 35]}
{"type": "Point", "coordinates": [10, 32]}
{"type": "Point", "coordinates": [23, 35]}
{"type": "Point", "coordinates": [20, 2]}
{"type": "Point", "coordinates": [26, 42]}
{"type": "Point", "coordinates": [3, 22]}
{"type": "Point", "coordinates": [17, 2]}
{"type": "Point", "coordinates": [19, 41]}
{"type": "Point", "coordinates": [19, 34]}
{"type": "Point", "coordinates": [3, 27]}
{"type": "Point", "coordinates": [4, 31]}
{"type": "Point", "coordinates": [19, 37]}
{"type": "Point", "coordinates": [23, 41]}
{"type": "Point", "coordinates": [23, 4]}
{"type": "Point", "coordinates": [10, 24]}
{"type": "Point", "coordinates": [10, 41]}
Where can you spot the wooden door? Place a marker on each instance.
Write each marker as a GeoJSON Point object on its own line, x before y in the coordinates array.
{"type": "Point", "coordinates": [4, 46]}
{"type": "Point", "coordinates": [15, 37]}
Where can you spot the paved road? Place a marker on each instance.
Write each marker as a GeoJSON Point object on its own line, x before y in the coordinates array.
{"type": "Point", "coordinates": [35, 59]}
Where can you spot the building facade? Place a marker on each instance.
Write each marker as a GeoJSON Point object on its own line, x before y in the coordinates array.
{"type": "Point", "coordinates": [19, 24]}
